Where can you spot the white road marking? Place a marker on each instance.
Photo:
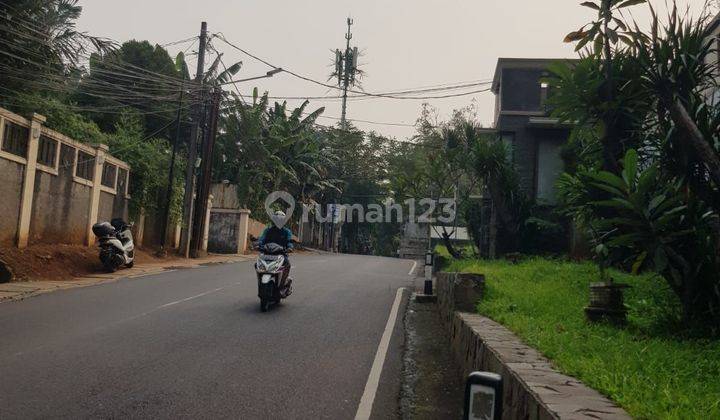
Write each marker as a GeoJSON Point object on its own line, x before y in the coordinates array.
{"type": "Point", "coordinates": [368, 397]}
{"type": "Point", "coordinates": [134, 317]}
{"type": "Point", "coordinates": [151, 273]}
{"type": "Point", "coordinates": [412, 270]}
{"type": "Point", "coordinates": [190, 298]}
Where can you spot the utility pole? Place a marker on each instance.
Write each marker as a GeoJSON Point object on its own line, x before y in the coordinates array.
{"type": "Point", "coordinates": [197, 115]}
{"type": "Point", "coordinates": [171, 175]}
{"type": "Point", "coordinates": [346, 69]}
{"type": "Point", "coordinates": [203, 187]}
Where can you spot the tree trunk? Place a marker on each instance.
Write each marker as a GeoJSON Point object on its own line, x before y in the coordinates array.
{"type": "Point", "coordinates": [448, 244]}
{"type": "Point", "coordinates": [506, 216]}
{"type": "Point", "coordinates": [703, 150]}
{"type": "Point", "coordinates": [610, 141]}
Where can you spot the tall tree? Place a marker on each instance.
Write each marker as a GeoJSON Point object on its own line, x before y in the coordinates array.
{"type": "Point", "coordinates": [40, 47]}
{"type": "Point", "coordinates": [139, 75]}
{"type": "Point", "coordinates": [605, 32]}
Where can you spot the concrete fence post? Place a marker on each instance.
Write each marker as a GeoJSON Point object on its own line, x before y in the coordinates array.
{"type": "Point", "coordinates": [243, 230]}
{"type": "Point", "coordinates": [176, 238]}
{"type": "Point", "coordinates": [206, 232]}
{"type": "Point", "coordinates": [28, 188]}
{"type": "Point", "coordinates": [140, 229]}
{"type": "Point", "coordinates": [94, 205]}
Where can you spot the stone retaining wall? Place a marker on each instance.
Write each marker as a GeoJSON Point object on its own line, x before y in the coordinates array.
{"type": "Point", "coordinates": [532, 388]}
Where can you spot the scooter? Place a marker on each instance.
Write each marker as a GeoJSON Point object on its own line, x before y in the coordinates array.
{"type": "Point", "coordinates": [115, 243]}
{"type": "Point", "coordinates": [274, 283]}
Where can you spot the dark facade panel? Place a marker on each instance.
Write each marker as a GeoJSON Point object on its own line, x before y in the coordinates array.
{"type": "Point", "coordinates": [521, 90]}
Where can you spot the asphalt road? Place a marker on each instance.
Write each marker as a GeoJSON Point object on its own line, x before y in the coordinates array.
{"type": "Point", "coordinates": [193, 344]}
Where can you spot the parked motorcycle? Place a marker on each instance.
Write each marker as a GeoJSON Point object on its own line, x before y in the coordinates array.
{"type": "Point", "coordinates": [115, 243]}
{"type": "Point", "coordinates": [273, 275]}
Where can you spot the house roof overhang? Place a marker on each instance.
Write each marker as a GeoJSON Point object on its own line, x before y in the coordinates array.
{"type": "Point", "coordinates": [547, 122]}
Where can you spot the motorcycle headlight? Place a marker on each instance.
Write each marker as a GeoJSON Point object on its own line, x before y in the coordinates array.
{"type": "Point", "coordinates": [273, 266]}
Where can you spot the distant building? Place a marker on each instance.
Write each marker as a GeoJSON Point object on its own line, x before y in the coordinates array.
{"type": "Point", "coordinates": [522, 121]}
{"type": "Point", "coordinates": [715, 56]}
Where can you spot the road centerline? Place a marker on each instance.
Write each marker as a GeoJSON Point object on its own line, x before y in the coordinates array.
{"type": "Point", "coordinates": [191, 298]}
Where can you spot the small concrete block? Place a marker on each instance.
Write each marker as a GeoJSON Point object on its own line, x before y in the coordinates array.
{"type": "Point", "coordinates": [468, 290]}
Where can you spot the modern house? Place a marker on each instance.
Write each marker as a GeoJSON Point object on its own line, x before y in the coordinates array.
{"type": "Point", "coordinates": [534, 139]}
{"type": "Point", "coordinates": [522, 121]}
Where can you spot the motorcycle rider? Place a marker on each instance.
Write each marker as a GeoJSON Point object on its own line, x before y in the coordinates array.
{"type": "Point", "coordinates": [278, 234]}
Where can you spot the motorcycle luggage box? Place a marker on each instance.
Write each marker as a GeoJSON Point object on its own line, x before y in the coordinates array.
{"type": "Point", "coordinates": [103, 229]}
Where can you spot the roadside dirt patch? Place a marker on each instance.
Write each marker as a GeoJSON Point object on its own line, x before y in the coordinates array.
{"type": "Point", "coordinates": [6, 275]}
{"type": "Point", "coordinates": [58, 262]}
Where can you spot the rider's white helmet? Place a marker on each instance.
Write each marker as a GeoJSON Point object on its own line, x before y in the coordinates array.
{"type": "Point", "coordinates": [279, 218]}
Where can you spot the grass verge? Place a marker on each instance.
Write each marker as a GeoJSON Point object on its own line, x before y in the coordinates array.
{"type": "Point", "coordinates": [648, 367]}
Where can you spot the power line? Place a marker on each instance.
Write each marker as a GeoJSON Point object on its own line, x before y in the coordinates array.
{"type": "Point", "coordinates": [369, 122]}
{"type": "Point", "coordinates": [182, 41]}
{"type": "Point", "coordinates": [361, 93]}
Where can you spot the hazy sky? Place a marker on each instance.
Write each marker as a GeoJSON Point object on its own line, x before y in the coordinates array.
{"type": "Point", "coordinates": [406, 43]}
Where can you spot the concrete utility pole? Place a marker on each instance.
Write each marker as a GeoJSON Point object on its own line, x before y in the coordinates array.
{"type": "Point", "coordinates": [171, 174]}
{"type": "Point", "coordinates": [203, 187]}
{"type": "Point", "coordinates": [346, 69]}
{"type": "Point", "coordinates": [197, 115]}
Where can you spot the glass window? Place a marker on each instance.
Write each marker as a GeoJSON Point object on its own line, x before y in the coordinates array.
{"type": "Point", "coordinates": [508, 140]}
{"type": "Point", "coordinates": [550, 166]}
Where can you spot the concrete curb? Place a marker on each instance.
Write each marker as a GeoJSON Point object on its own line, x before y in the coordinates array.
{"type": "Point", "coordinates": [533, 388]}
{"type": "Point", "coordinates": [16, 291]}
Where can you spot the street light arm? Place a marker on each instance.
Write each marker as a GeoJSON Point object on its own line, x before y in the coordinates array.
{"type": "Point", "coordinates": [271, 73]}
